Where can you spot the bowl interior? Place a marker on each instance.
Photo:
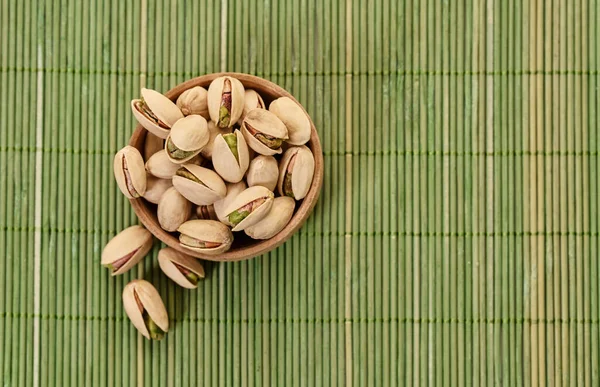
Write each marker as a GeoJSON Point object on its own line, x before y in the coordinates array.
{"type": "Point", "coordinates": [243, 247]}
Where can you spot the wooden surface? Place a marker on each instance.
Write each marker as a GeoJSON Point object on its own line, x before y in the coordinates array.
{"type": "Point", "coordinates": [247, 248]}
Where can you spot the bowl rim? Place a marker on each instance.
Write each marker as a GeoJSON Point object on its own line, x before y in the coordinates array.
{"type": "Point", "coordinates": [147, 217]}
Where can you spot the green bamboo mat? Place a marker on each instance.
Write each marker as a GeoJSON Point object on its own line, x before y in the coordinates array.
{"type": "Point", "coordinates": [455, 241]}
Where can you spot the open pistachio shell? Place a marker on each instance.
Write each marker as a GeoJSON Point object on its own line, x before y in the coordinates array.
{"type": "Point", "coordinates": [252, 100]}
{"type": "Point", "coordinates": [128, 167]}
{"type": "Point", "coordinates": [294, 118]}
{"type": "Point", "coordinates": [233, 190]}
{"type": "Point", "coordinates": [199, 185]}
{"type": "Point", "coordinates": [225, 101]}
{"type": "Point", "coordinates": [205, 236]}
{"type": "Point", "coordinates": [155, 188]}
{"type": "Point", "coordinates": [126, 249]}
{"type": "Point", "coordinates": [155, 112]}
{"type": "Point", "coordinates": [145, 309]}
{"type": "Point", "coordinates": [263, 171]}
{"type": "Point", "coordinates": [249, 207]}
{"type": "Point", "coordinates": [230, 156]}
{"type": "Point", "coordinates": [183, 269]}
{"type": "Point", "coordinates": [264, 132]}
{"type": "Point", "coordinates": [188, 136]}
{"type": "Point", "coordinates": [279, 216]}
{"type": "Point", "coordinates": [206, 212]}
{"type": "Point", "coordinates": [152, 144]}
{"type": "Point", "coordinates": [173, 210]}
{"type": "Point", "coordinates": [194, 101]}
{"type": "Point", "coordinates": [213, 131]}
{"type": "Point", "coordinates": [296, 171]}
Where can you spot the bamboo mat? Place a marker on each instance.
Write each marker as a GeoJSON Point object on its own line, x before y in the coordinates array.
{"type": "Point", "coordinates": [455, 241]}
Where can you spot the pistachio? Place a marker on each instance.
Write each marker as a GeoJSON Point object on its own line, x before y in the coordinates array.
{"type": "Point", "coordinates": [188, 136]}
{"type": "Point", "coordinates": [233, 190]}
{"type": "Point", "coordinates": [225, 101]}
{"type": "Point", "coordinates": [152, 144]}
{"type": "Point", "coordinates": [206, 212]}
{"type": "Point", "coordinates": [205, 236]}
{"type": "Point", "coordinates": [145, 309]}
{"type": "Point", "coordinates": [230, 157]}
{"type": "Point", "coordinates": [173, 210]}
{"type": "Point", "coordinates": [155, 112]}
{"type": "Point", "coordinates": [296, 171]}
{"type": "Point", "coordinates": [183, 269]}
{"type": "Point", "coordinates": [249, 207]}
{"type": "Point", "coordinates": [128, 167]}
{"type": "Point", "coordinates": [194, 101]}
{"type": "Point", "coordinates": [263, 171]}
{"type": "Point", "coordinates": [294, 118]}
{"type": "Point", "coordinates": [155, 188]}
{"type": "Point", "coordinates": [252, 100]}
{"type": "Point", "coordinates": [160, 165]}
{"type": "Point", "coordinates": [199, 185]}
{"type": "Point", "coordinates": [278, 217]}
{"type": "Point", "coordinates": [126, 249]}
{"type": "Point", "coordinates": [213, 131]}
{"type": "Point", "coordinates": [264, 132]}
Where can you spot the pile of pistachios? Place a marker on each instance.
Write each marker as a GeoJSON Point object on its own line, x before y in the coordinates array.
{"type": "Point", "coordinates": [215, 163]}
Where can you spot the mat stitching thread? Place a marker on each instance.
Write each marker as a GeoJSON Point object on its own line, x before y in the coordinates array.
{"type": "Point", "coordinates": [306, 73]}
{"type": "Point", "coordinates": [415, 320]}
{"type": "Point", "coordinates": [357, 233]}
{"type": "Point", "coordinates": [340, 153]}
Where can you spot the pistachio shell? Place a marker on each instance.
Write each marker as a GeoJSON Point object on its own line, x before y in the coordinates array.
{"type": "Point", "coordinates": [155, 188]}
{"type": "Point", "coordinates": [128, 167]}
{"type": "Point", "coordinates": [252, 100]}
{"type": "Point", "coordinates": [206, 231]}
{"type": "Point", "coordinates": [279, 216]}
{"type": "Point", "coordinates": [206, 212]}
{"type": "Point", "coordinates": [161, 107]}
{"type": "Point", "coordinates": [126, 249]}
{"type": "Point", "coordinates": [225, 162]}
{"type": "Point", "coordinates": [190, 135]}
{"type": "Point", "coordinates": [140, 296]}
{"type": "Point", "coordinates": [173, 210]}
{"type": "Point", "coordinates": [194, 101]}
{"type": "Point", "coordinates": [152, 144]}
{"type": "Point", "coordinates": [213, 131]}
{"type": "Point", "coordinates": [233, 190]}
{"type": "Point", "coordinates": [263, 171]}
{"type": "Point", "coordinates": [215, 98]}
{"type": "Point", "coordinates": [246, 197]}
{"type": "Point", "coordinates": [169, 259]}
{"type": "Point", "coordinates": [209, 191]}
{"type": "Point", "coordinates": [294, 118]}
{"type": "Point", "coordinates": [160, 165]}
{"type": "Point", "coordinates": [302, 172]}
{"type": "Point", "coordinates": [266, 123]}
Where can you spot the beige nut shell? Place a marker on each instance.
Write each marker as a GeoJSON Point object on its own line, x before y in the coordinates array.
{"type": "Point", "coordinates": [294, 118]}
{"type": "Point", "coordinates": [233, 190]}
{"type": "Point", "coordinates": [302, 173]}
{"type": "Point", "coordinates": [136, 171]}
{"type": "Point", "coordinates": [225, 163]}
{"type": "Point", "coordinates": [166, 259]}
{"type": "Point", "coordinates": [279, 216]}
{"type": "Point", "coordinates": [212, 189]}
{"type": "Point", "coordinates": [194, 101]}
{"type": "Point", "coordinates": [151, 302]}
{"type": "Point", "coordinates": [209, 231]}
{"type": "Point", "coordinates": [173, 210]}
{"type": "Point", "coordinates": [265, 122]}
{"type": "Point", "coordinates": [155, 188]}
{"type": "Point", "coordinates": [215, 92]}
{"type": "Point", "coordinates": [189, 134]}
{"type": "Point", "coordinates": [247, 196]}
{"type": "Point", "coordinates": [124, 243]}
{"type": "Point", "coordinates": [263, 170]}
{"type": "Point", "coordinates": [162, 107]}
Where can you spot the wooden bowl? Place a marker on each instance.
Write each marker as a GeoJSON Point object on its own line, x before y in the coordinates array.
{"type": "Point", "coordinates": [243, 246]}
